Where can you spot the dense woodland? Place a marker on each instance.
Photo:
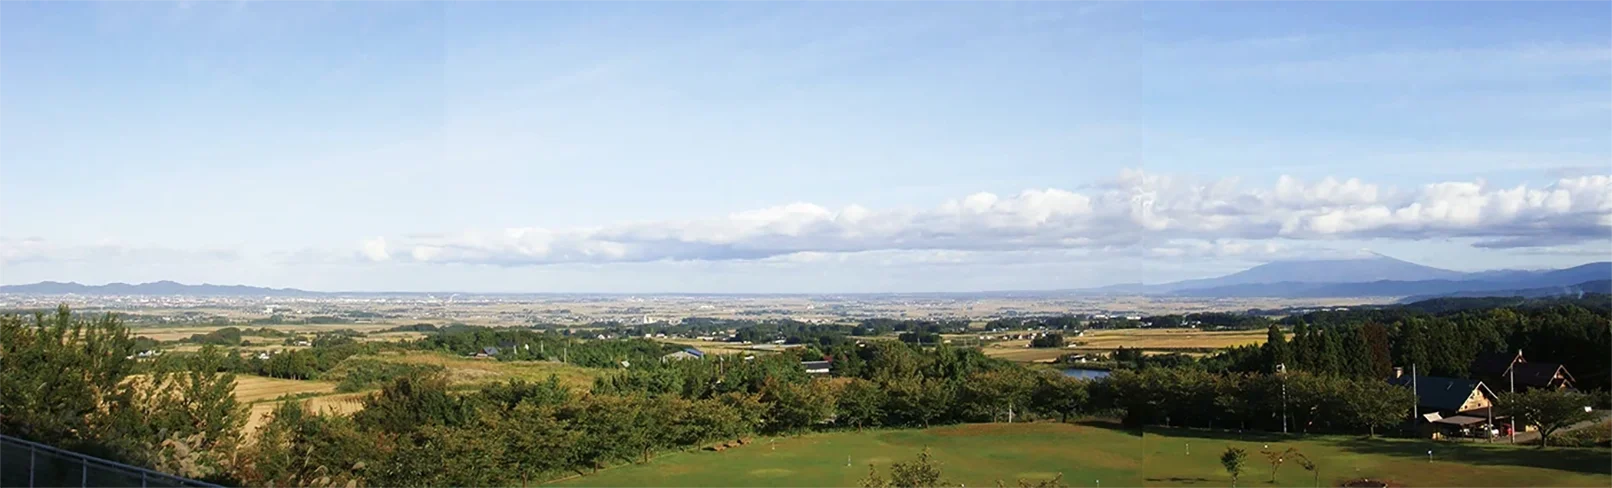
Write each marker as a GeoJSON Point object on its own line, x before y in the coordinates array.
{"type": "Point", "coordinates": [82, 389]}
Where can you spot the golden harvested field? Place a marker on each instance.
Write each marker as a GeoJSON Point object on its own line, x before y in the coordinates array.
{"type": "Point", "coordinates": [1152, 340]}
{"type": "Point", "coordinates": [391, 336]}
{"type": "Point", "coordinates": [722, 347]}
{"type": "Point", "coordinates": [342, 404]}
{"type": "Point", "coordinates": [1023, 354]}
{"type": "Point", "coordinates": [1168, 338]}
{"type": "Point", "coordinates": [463, 370]}
{"type": "Point", "coordinates": [253, 388]}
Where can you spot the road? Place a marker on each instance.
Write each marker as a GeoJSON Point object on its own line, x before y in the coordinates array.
{"type": "Point", "coordinates": [1528, 437]}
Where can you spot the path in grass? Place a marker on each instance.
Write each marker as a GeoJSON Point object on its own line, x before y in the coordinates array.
{"type": "Point", "coordinates": [974, 455]}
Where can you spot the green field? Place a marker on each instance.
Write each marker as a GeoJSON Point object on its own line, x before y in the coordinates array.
{"type": "Point", "coordinates": [980, 454]}
{"type": "Point", "coordinates": [975, 455]}
{"type": "Point", "coordinates": [1404, 462]}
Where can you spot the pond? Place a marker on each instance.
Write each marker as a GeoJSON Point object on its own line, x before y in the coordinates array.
{"type": "Point", "coordinates": [1085, 374]}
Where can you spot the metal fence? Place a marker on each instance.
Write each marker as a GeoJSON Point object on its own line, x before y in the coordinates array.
{"type": "Point", "coordinates": [30, 464]}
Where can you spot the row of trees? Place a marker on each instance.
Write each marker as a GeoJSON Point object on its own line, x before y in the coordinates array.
{"type": "Point", "coordinates": [1574, 332]}
{"type": "Point", "coordinates": [529, 345]}
{"type": "Point", "coordinates": [1191, 397]}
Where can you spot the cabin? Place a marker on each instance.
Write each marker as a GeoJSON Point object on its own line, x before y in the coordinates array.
{"type": "Point", "coordinates": [487, 352]}
{"type": "Point", "coordinates": [1514, 372]}
{"type": "Point", "coordinates": [686, 353]}
{"type": "Point", "coordinates": [1452, 407]}
{"type": "Point", "coordinates": [816, 367]}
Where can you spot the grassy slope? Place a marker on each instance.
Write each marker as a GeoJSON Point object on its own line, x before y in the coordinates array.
{"type": "Point", "coordinates": [975, 455]}
{"type": "Point", "coordinates": [1403, 461]}
{"type": "Point", "coordinates": [979, 454]}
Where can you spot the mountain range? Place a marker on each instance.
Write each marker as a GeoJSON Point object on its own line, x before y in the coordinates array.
{"type": "Point", "coordinates": [1379, 275]}
{"type": "Point", "coordinates": [155, 288]}
{"type": "Point", "coordinates": [1372, 275]}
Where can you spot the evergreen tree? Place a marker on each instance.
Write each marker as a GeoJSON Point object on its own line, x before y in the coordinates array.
{"type": "Point", "coordinates": [1275, 351]}
{"type": "Point", "coordinates": [1411, 348]}
{"type": "Point", "coordinates": [1330, 346]}
{"type": "Point", "coordinates": [1380, 358]}
{"type": "Point", "coordinates": [1356, 354]}
{"type": "Point", "coordinates": [1299, 349]}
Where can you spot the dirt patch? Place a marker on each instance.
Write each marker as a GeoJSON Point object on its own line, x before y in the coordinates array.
{"type": "Point", "coordinates": [771, 473]}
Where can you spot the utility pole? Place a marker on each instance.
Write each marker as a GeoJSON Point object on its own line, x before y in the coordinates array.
{"type": "Point", "coordinates": [1512, 369]}
{"type": "Point", "coordinates": [1283, 367]}
{"type": "Point", "coordinates": [1416, 410]}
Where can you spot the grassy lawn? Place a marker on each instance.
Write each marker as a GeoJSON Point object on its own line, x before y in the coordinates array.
{"type": "Point", "coordinates": [1404, 462]}
{"type": "Point", "coordinates": [980, 454]}
{"type": "Point", "coordinates": [975, 455]}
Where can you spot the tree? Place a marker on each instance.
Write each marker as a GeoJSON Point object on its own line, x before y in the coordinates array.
{"type": "Point", "coordinates": [1275, 350]}
{"type": "Point", "coordinates": [921, 473]}
{"type": "Point", "coordinates": [1233, 460]}
{"type": "Point", "coordinates": [1047, 340]}
{"type": "Point", "coordinates": [1547, 409]}
{"type": "Point", "coordinates": [1276, 458]}
{"type": "Point", "coordinates": [861, 403]}
{"type": "Point", "coordinates": [1373, 404]}
{"type": "Point", "coordinates": [1381, 362]}
{"type": "Point", "coordinates": [297, 448]}
{"type": "Point", "coordinates": [410, 403]}
{"type": "Point", "coordinates": [996, 395]}
{"type": "Point", "coordinates": [191, 406]}
{"type": "Point", "coordinates": [1300, 349]}
{"type": "Point", "coordinates": [797, 406]}
{"type": "Point", "coordinates": [536, 441]}
{"type": "Point", "coordinates": [1058, 395]}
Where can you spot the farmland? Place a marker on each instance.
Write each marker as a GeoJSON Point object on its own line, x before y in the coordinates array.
{"type": "Point", "coordinates": [470, 371]}
{"type": "Point", "coordinates": [981, 454]}
{"type": "Point", "coordinates": [1150, 340]}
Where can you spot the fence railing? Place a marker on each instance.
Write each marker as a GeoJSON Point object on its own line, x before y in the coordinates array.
{"type": "Point", "coordinates": [31, 464]}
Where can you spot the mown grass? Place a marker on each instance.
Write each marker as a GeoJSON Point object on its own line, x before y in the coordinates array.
{"type": "Point", "coordinates": [974, 455]}
{"type": "Point", "coordinates": [1402, 462]}
{"type": "Point", "coordinates": [981, 454]}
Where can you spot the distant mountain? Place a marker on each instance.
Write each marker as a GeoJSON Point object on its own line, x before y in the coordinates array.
{"type": "Point", "coordinates": [1376, 267]}
{"type": "Point", "coordinates": [1375, 275]}
{"type": "Point", "coordinates": [156, 288]}
{"type": "Point", "coordinates": [1601, 287]}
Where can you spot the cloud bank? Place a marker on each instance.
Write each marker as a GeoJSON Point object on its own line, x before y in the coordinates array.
{"type": "Point", "coordinates": [1161, 215]}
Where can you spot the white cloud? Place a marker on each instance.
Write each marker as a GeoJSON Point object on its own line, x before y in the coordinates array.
{"type": "Point", "coordinates": [34, 249]}
{"type": "Point", "coordinates": [375, 250]}
{"type": "Point", "coordinates": [1152, 214]}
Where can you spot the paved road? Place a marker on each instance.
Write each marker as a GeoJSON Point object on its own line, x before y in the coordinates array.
{"type": "Point", "coordinates": [1530, 437]}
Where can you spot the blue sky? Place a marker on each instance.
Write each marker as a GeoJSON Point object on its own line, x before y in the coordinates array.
{"type": "Point", "coordinates": [811, 147]}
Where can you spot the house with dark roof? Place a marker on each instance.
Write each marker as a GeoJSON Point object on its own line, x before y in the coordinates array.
{"type": "Point", "coordinates": [488, 351]}
{"type": "Point", "coordinates": [1513, 371]}
{"type": "Point", "coordinates": [1448, 396]}
{"type": "Point", "coordinates": [1451, 406]}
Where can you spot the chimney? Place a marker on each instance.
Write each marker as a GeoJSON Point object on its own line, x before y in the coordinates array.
{"type": "Point", "coordinates": [1399, 372]}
